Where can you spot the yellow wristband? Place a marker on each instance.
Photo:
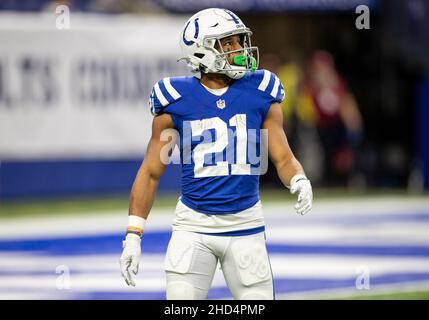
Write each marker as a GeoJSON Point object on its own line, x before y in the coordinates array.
{"type": "Point", "coordinates": [136, 225]}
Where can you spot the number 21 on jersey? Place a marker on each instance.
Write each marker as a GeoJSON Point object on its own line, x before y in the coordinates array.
{"type": "Point", "coordinates": [220, 168]}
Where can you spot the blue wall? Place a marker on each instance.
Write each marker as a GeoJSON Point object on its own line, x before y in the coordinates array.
{"type": "Point", "coordinates": [35, 179]}
{"type": "Point", "coordinates": [423, 131]}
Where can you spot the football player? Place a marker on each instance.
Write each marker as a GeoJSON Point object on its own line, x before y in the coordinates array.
{"type": "Point", "coordinates": [219, 117]}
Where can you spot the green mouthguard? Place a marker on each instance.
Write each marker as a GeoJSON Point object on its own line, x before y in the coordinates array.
{"type": "Point", "coordinates": [242, 61]}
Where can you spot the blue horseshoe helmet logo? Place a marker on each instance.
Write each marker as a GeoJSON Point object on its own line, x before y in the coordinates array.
{"type": "Point", "coordinates": [197, 29]}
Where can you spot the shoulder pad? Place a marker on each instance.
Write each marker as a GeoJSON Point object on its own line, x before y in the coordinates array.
{"type": "Point", "coordinates": [268, 83]}
{"type": "Point", "coordinates": [164, 93]}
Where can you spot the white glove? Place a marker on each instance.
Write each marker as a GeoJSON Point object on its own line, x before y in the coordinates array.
{"type": "Point", "coordinates": [300, 184]}
{"type": "Point", "coordinates": [130, 257]}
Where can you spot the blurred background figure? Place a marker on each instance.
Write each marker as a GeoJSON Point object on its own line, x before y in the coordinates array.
{"type": "Point", "coordinates": [321, 116]}
{"type": "Point", "coordinates": [300, 115]}
{"type": "Point", "coordinates": [337, 118]}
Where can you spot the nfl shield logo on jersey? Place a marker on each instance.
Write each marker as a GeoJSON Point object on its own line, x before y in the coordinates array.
{"type": "Point", "coordinates": [220, 104]}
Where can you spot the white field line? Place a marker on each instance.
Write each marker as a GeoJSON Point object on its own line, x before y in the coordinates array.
{"type": "Point", "coordinates": [300, 265]}
{"type": "Point", "coordinates": [115, 222]}
{"type": "Point", "coordinates": [400, 233]}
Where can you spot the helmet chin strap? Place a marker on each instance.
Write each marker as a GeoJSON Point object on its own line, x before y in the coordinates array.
{"type": "Point", "coordinates": [236, 74]}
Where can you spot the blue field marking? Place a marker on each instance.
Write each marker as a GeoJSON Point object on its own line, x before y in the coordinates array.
{"type": "Point", "coordinates": [290, 285]}
{"type": "Point", "coordinates": [367, 250]}
{"type": "Point", "coordinates": [157, 242]}
{"type": "Point", "coordinates": [282, 285]}
{"type": "Point", "coordinates": [154, 242]}
{"type": "Point", "coordinates": [214, 293]}
{"type": "Point", "coordinates": [120, 295]}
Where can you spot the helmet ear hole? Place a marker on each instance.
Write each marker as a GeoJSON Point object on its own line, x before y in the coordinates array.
{"type": "Point", "coordinates": [202, 68]}
{"type": "Point", "coordinates": [199, 55]}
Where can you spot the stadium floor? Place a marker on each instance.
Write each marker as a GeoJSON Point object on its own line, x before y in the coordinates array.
{"type": "Point", "coordinates": [344, 247]}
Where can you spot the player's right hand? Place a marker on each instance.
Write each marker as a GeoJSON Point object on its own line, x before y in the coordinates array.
{"type": "Point", "coordinates": [130, 258]}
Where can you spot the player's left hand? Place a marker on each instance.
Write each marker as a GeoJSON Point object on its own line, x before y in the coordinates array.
{"type": "Point", "coordinates": [302, 185]}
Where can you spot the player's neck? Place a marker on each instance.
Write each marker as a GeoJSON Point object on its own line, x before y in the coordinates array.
{"type": "Point", "coordinates": [215, 81]}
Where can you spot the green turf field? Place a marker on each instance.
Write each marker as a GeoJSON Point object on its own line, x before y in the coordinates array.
{"type": "Point", "coordinates": [412, 295]}
{"type": "Point", "coordinates": [82, 205]}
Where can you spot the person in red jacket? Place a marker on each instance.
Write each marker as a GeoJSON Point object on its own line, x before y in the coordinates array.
{"type": "Point", "coordinates": [338, 120]}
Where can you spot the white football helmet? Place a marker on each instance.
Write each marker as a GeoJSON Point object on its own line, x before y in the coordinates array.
{"type": "Point", "coordinates": [200, 35]}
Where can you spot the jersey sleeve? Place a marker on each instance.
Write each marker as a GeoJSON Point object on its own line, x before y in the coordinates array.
{"type": "Point", "coordinates": [163, 94]}
{"type": "Point", "coordinates": [269, 85]}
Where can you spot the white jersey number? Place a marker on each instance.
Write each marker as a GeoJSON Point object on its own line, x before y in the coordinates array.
{"type": "Point", "coordinates": [221, 168]}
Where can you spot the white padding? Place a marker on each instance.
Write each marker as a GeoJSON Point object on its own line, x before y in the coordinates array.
{"type": "Point", "coordinates": [251, 260]}
{"type": "Point", "coordinates": [179, 254]}
{"type": "Point", "coordinates": [180, 290]}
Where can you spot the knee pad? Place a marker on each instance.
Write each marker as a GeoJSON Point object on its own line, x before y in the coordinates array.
{"type": "Point", "coordinates": [251, 260]}
{"type": "Point", "coordinates": [180, 290]}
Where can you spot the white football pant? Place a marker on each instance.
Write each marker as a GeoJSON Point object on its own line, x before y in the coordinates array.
{"type": "Point", "coordinates": [191, 261]}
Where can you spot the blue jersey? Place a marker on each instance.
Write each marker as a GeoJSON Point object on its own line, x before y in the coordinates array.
{"type": "Point", "coordinates": [220, 137]}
